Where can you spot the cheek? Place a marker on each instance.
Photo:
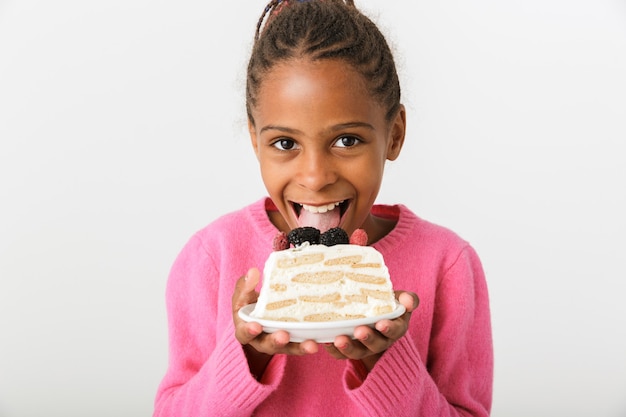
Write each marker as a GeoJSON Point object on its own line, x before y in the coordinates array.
{"type": "Point", "coordinates": [273, 176]}
{"type": "Point", "coordinates": [368, 175]}
{"type": "Point", "coordinates": [369, 188]}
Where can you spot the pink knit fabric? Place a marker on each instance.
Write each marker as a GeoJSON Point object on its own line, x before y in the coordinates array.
{"type": "Point", "coordinates": [442, 367]}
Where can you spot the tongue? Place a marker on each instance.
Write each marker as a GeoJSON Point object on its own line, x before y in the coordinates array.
{"type": "Point", "coordinates": [321, 221]}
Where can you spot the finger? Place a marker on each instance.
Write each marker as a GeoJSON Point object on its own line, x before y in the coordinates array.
{"type": "Point", "coordinates": [343, 347]}
{"type": "Point", "coordinates": [252, 334]}
{"type": "Point", "coordinates": [251, 279]}
{"type": "Point", "coordinates": [333, 351]}
{"type": "Point", "coordinates": [309, 347]}
{"type": "Point", "coordinates": [282, 344]}
{"type": "Point", "coordinates": [244, 289]}
{"type": "Point", "coordinates": [396, 328]}
{"type": "Point", "coordinates": [370, 347]}
{"type": "Point", "coordinates": [372, 340]}
{"type": "Point", "coordinates": [409, 300]}
{"type": "Point", "coordinates": [278, 342]}
{"type": "Point", "coordinates": [247, 332]}
{"type": "Point", "coordinates": [393, 329]}
{"type": "Point", "coordinates": [280, 339]}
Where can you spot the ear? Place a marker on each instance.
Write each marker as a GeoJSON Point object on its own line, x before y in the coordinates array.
{"type": "Point", "coordinates": [397, 132]}
{"type": "Point", "coordinates": [253, 139]}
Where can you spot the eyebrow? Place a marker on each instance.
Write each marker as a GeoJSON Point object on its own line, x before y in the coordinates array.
{"type": "Point", "coordinates": [334, 128]}
{"type": "Point", "coordinates": [279, 128]}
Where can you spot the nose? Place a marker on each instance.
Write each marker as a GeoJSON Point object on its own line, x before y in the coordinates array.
{"type": "Point", "coordinates": [316, 170]}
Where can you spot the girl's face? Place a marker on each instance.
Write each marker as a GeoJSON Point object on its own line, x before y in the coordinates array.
{"type": "Point", "coordinates": [322, 143]}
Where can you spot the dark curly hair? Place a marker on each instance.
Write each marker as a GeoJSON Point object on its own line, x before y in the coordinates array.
{"type": "Point", "coordinates": [323, 29]}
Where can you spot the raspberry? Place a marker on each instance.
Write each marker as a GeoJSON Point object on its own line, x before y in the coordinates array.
{"type": "Point", "coordinates": [334, 236]}
{"type": "Point", "coordinates": [359, 237]}
{"type": "Point", "coordinates": [280, 242]}
{"type": "Point", "coordinates": [304, 234]}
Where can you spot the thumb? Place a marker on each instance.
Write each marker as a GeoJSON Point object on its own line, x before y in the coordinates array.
{"type": "Point", "coordinates": [244, 289]}
{"type": "Point", "coordinates": [251, 279]}
{"type": "Point", "coordinates": [409, 300]}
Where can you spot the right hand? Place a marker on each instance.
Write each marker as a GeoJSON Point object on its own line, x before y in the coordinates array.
{"type": "Point", "coordinates": [251, 334]}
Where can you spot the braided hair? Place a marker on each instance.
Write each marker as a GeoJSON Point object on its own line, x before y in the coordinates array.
{"type": "Point", "coordinates": [323, 29]}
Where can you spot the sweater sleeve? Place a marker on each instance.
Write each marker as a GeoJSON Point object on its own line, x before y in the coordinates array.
{"type": "Point", "coordinates": [456, 379]}
{"type": "Point", "coordinates": [206, 372]}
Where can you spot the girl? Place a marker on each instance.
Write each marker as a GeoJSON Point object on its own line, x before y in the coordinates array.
{"type": "Point", "coordinates": [324, 115]}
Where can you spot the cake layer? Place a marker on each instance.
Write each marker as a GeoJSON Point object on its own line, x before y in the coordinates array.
{"type": "Point", "coordinates": [324, 283]}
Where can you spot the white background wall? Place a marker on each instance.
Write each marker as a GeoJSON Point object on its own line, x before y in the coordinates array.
{"type": "Point", "coordinates": [122, 131]}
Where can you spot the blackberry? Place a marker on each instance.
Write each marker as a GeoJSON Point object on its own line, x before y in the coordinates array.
{"type": "Point", "coordinates": [304, 234]}
{"type": "Point", "coordinates": [334, 236]}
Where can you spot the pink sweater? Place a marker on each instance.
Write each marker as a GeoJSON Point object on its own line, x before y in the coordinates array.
{"type": "Point", "coordinates": [443, 366]}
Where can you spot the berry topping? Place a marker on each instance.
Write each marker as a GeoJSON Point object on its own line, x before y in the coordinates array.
{"type": "Point", "coordinates": [334, 236]}
{"type": "Point", "coordinates": [280, 242]}
{"type": "Point", "coordinates": [304, 234]}
{"type": "Point", "coordinates": [359, 237]}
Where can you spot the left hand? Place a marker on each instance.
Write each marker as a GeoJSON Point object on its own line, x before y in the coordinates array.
{"type": "Point", "coordinates": [369, 344]}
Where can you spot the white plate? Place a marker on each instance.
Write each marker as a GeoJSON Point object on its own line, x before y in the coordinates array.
{"type": "Point", "coordinates": [321, 332]}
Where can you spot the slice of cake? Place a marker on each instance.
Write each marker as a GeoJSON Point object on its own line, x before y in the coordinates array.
{"type": "Point", "coordinates": [314, 282]}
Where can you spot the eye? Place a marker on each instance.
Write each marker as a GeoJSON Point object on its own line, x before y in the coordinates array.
{"type": "Point", "coordinates": [347, 141]}
{"type": "Point", "coordinates": [285, 144]}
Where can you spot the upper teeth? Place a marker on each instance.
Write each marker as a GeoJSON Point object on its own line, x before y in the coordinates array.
{"type": "Point", "coordinates": [320, 209]}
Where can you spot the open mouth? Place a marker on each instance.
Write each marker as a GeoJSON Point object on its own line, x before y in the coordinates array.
{"type": "Point", "coordinates": [342, 205]}
{"type": "Point", "coordinates": [322, 217]}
